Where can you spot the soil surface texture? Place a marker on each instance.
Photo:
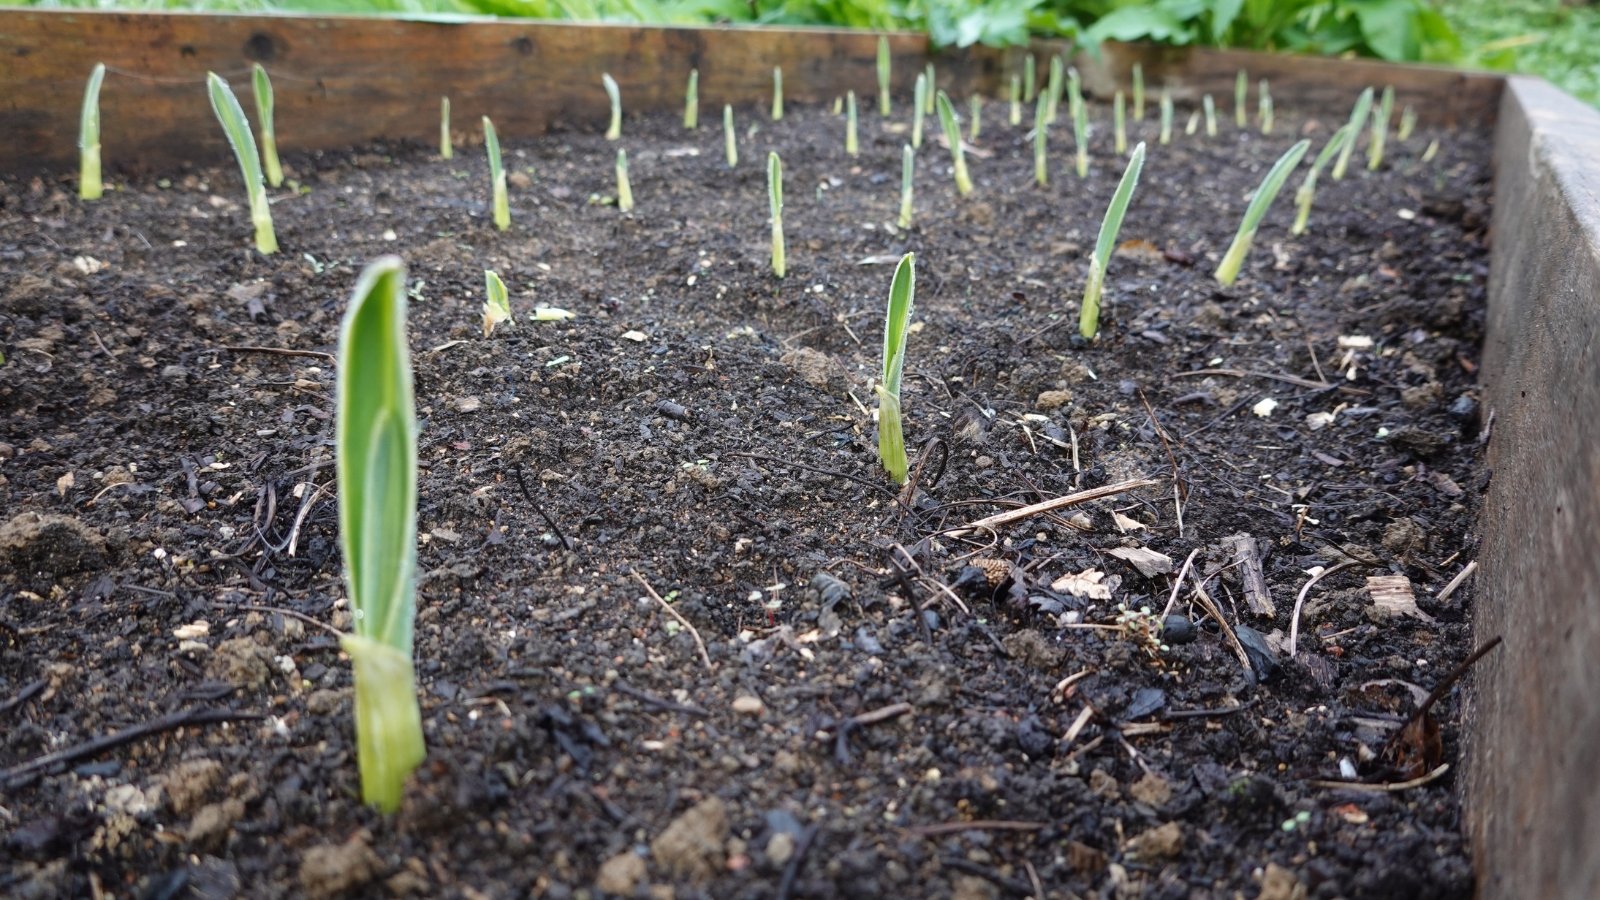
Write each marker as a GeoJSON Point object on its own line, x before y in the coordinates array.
{"type": "Point", "coordinates": [678, 634]}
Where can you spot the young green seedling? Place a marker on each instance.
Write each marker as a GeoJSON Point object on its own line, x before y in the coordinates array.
{"type": "Point", "coordinates": [624, 186]}
{"type": "Point", "coordinates": [952, 135]}
{"type": "Point", "coordinates": [375, 434]}
{"type": "Point", "coordinates": [237, 128]}
{"type": "Point", "coordinates": [1030, 87]}
{"type": "Point", "coordinates": [1210, 108]}
{"type": "Point", "coordinates": [691, 101]}
{"type": "Point", "coordinates": [1380, 129]}
{"type": "Point", "coordinates": [1015, 96]}
{"type": "Point", "coordinates": [269, 132]}
{"type": "Point", "coordinates": [1138, 92]}
{"type": "Point", "coordinates": [1052, 90]}
{"type": "Point", "coordinates": [975, 104]}
{"type": "Point", "coordinates": [891, 436]}
{"type": "Point", "coordinates": [908, 164]}
{"type": "Point", "coordinates": [1228, 270]}
{"type": "Point", "coordinates": [852, 140]}
{"type": "Point", "coordinates": [1194, 123]}
{"type": "Point", "coordinates": [1074, 88]}
{"type": "Point", "coordinates": [1308, 188]}
{"type": "Point", "coordinates": [1118, 124]}
{"type": "Point", "coordinates": [1041, 136]}
{"type": "Point", "coordinates": [497, 176]}
{"type": "Point", "coordinates": [1432, 151]}
{"type": "Point", "coordinates": [1080, 128]}
{"type": "Point", "coordinates": [933, 85]}
{"type": "Point", "coordinates": [496, 302]}
{"type": "Point", "coordinates": [1089, 315]}
{"type": "Point", "coordinates": [1166, 116]}
{"type": "Point", "coordinates": [884, 62]}
{"type": "Point", "coordinates": [780, 264]}
{"type": "Point", "coordinates": [777, 94]}
{"type": "Point", "coordinates": [1408, 123]}
{"type": "Point", "coordinates": [1241, 96]}
{"type": "Point", "coordinates": [614, 130]}
{"type": "Point", "coordinates": [447, 149]}
{"type": "Point", "coordinates": [919, 94]}
{"type": "Point", "coordinates": [90, 186]}
{"type": "Point", "coordinates": [730, 139]}
{"type": "Point", "coordinates": [1358, 120]}
{"type": "Point", "coordinates": [1264, 107]}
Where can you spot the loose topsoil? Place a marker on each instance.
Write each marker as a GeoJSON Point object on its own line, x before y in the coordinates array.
{"type": "Point", "coordinates": [702, 430]}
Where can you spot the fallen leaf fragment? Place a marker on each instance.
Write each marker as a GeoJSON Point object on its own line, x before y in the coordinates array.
{"type": "Point", "coordinates": [1265, 407]}
{"type": "Point", "coordinates": [1127, 523]}
{"type": "Point", "coordinates": [1088, 584]}
{"type": "Point", "coordinates": [1148, 562]}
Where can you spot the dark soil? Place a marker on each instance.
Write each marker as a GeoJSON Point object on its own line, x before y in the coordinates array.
{"type": "Point", "coordinates": [172, 524]}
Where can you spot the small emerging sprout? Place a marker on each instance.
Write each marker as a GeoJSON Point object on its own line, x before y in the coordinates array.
{"type": "Point", "coordinates": [375, 435]}
{"type": "Point", "coordinates": [1194, 123]}
{"type": "Point", "coordinates": [777, 94]}
{"type": "Point", "coordinates": [1308, 187]}
{"type": "Point", "coordinates": [1030, 88]}
{"type": "Point", "coordinates": [1241, 96]}
{"type": "Point", "coordinates": [1015, 95]}
{"type": "Point", "coordinates": [89, 185]}
{"type": "Point", "coordinates": [1080, 128]}
{"type": "Point", "coordinates": [1358, 119]}
{"type": "Point", "coordinates": [237, 128]}
{"type": "Point", "coordinates": [496, 302]}
{"type": "Point", "coordinates": [1228, 270]}
{"type": "Point", "coordinates": [1380, 129]}
{"type": "Point", "coordinates": [1408, 123]}
{"type": "Point", "coordinates": [933, 85]}
{"type": "Point", "coordinates": [1118, 124]}
{"type": "Point", "coordinates": [1210, 108]}
{"type": "Point", "coordinates": [908, 165]}
{"type": "Point", "coordinates": [1052, 90]}
{"type": "Point", "coordinates": [447, 149]}
{"type": "Point", "coordinates": [1089, 315]}
{"type": "Point", "coordinates": [691, 101]}
{"type": "Point", "coordinates": [1041, 136]}
{"type": "Point", "coordinates": [1074, 90]}
{"type": "Point", "coordinates": [1138, 92]}
{"type": "Point", "coordinates": [780, 265]}
{"type": "Point", "coordinates": [729, 138]}
{"type": "Point", "coordinates": [624, 186]}
{"type": "Point", "coordinates": [497, 176]}
{"type": "Point", "coordinates": [1432, 151]}
{"type": "Point", "coordinates": [919, 94]}
{"type": "Point", "coordinates": [883, 76]}
{"type": "Point", "coordinates": [269, 132]}
{"type": "Point", "coordinates": [852, 141]}
{"type": "Point", "coordinates": [975, 103]}
{"type": "Point", "coordinates": [1264, 107]}
{"type": "Point", "coordinates": [1166, 116]}
{"type": "Point", "coordinates": [952, 134]}
{"type": "Point", "coordinates": [891, 437]}
{"type": "Point", "coordinates": [614, 130]}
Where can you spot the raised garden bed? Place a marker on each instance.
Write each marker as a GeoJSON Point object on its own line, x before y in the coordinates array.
{"type": "Point", "coordinates": [699, 428]}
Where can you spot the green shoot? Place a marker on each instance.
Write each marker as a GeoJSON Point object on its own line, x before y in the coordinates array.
{"type": "Point", "coordinates": [933, 85]}
{"type": "Point", "coordinates": [1052, 90]}
{"type": "Point", "coordinates": [1089, 315]}
{"type": "Point", "coordinates": [1408, 123]}
{"type": "Point", "coordinates": [975, 104]}
{"type": "Point", "coordinates": [447, 150]}
{"type": "Point", "coordinates": [1030, 88]}
{"type": "Point", "coordinates": [891, 437]}
{"type": "Point", "coordinates": [1080, 128]}
{"type": "Point", "coordinates": [497, 176]}
{"type": "Point", "coordinates": [496, 302]}
{"type": "Point", "coordinates": [89, 184]}
{"type": "Point", "coordinates": [777, 94]}
{"type": "Point", "coordinates": [269, 132]}
{"type": "Point", "coordinates": [919, 95]}
{"type": "Point", "coordinates": [375, 433]}
{"type": "Point", "coordinates": [1119, 128]}
{"type": "Point", "coordinates": [883, 76]}
{"type": "Point", "coordinates": [1358, 118]}
{"type": "Point", "coordinates": [237, 127]}
{"type": "Point", "coordinates": [1166, 116]}
{"type": "Point", "coordinates": [1138, 92]}
{"type": "Point", "coordinates": [624, 186]}
{"type": "Point", "coordinates": [729, 138]}
{"type": "Point", "coordinates": [838, 106]}
{"type": "Point", "coordinates": [1264, 107]}
{"type": "Point", "coordinates": [614, 130]}
{"type": "Point", "coordinates": [1241, 96]}
{"type": "Point", "coordinates": [1015, 96]}
{"type": "Point", "coordinates": [1194, 123]}
{"type": "Point", "coordinates": [852, 140]}
{"type": "Point", "coordinates": [1041, 136]}
{"type": "Point", "coordinates": [908, 165]}
{"type": "Point", "coordinates": [952, 134]}
{"type": "Point", "coordinates": [1432, 151]}
{"type": "Point", "coordinates": [1210, 108]}
{"type": "Point", "coordinates": [691, 101]}
{"type": "Point", "coordinates": [1228, 270]}
{"type": "Point", "coordinates": [1308, 187]}
{"type": "Point", "coordinates": [1074, 92]}
{"type": "Point", "coordinates": [780, 264]}
{"type": "Point", "coordinates": [1380, 129]}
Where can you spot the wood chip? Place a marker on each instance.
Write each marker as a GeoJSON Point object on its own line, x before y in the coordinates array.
{"type": "Point", "coordinates": [1393, 597]}
{"type": "Point", "coordinates": [1246, 552]}
{"type": "Point", "coordinates": [1148, 562]}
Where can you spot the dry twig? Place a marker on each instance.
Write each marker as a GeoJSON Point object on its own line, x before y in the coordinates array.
{"type": "Point", "coordinates": [693, 632]}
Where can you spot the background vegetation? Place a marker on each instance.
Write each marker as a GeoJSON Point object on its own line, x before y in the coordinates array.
{"type": "Point", "coordinates": [1545, 37]}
